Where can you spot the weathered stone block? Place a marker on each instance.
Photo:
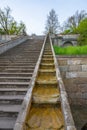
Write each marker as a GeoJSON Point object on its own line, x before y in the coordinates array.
{"type": "Point", "coordinates": [82, 74]}
{"type": "Point", "coordinates": [62, 62]}
{"type": "Point", "coordinates": [63, 74]}
{"type": "Point", "coordinates": [63, 68]}
{"type": "Point", "coordinates": [71, 74]}
{"type": "Point", "coordinates": [74, 68]}
{"type": "Point", "coordinates": [73, 62]}
{"type": "Point", "coordinates": [82, 88]}
{"type": "Point", "coordinates": [84, 67]}
{"type": "Point", "coordinates": [84, 62]}
{"type": "Point", "coordinates": [80, 80]}
{"type": "Point", "coordinates": [84, 95]}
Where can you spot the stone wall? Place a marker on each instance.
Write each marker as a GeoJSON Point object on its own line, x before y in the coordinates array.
{"type": "Point", "coordinates": [74, 73]}
{"type": "Point", "coordinates": [65, 40]}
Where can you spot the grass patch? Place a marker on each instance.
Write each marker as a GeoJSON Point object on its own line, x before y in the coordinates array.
{"type": "Point", "coordinates": [71, 50]}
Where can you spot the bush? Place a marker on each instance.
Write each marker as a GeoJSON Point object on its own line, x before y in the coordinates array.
{"type": "Point", "coordinates": [82, 30]}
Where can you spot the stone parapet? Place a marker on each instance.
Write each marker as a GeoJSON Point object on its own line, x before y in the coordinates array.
{"type": "Point", "coordinates": [12, 43]}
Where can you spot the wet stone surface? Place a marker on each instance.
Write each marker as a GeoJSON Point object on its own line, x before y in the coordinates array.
{"type": "Point", "coordinates": [45, 117]}
{"type": "Point", "coordinates": [45, 112]}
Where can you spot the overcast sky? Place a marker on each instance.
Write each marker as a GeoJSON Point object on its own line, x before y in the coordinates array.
{"type": "Point", "coordinates": [34, 12]}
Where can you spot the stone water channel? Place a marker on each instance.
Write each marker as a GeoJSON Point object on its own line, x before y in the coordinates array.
{"type": "Point", "coordinates": [45, 112]}
{"type": "Point", "coordinates": [45, 106]}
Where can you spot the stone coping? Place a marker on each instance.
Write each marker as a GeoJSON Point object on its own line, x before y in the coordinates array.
{"type": "Point", "coordinates": [71, 56]}
{"type": "Point", "coordinates": [20, 122]}
{"type": "Point", "coordinates": [68, 119]}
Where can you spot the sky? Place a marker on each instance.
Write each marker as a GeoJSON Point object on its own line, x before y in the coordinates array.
{"type": "Point", "coordinates": [34, 12]}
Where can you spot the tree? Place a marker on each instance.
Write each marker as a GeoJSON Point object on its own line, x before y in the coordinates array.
{"type": "Point", "coordinates": [21, 28]}
{"type": "Point", "coordinates": [82, 29]}
{"type": "Point", "coordinates": [52, 23]}
{"type": "Point", "coordinates": [8, 25]}
{"type": "Point", "coordinates": [5, 19]}
{"type": "Point", "coordinates": [73, 22]}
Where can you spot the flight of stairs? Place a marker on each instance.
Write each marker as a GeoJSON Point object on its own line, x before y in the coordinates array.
{"type": "Point", "coordinates": [16, 69]}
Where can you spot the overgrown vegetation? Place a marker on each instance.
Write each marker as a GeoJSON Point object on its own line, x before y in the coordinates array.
{"type": "Point", "coordinates": [77, 24]}
{"type": "Point", "coordinates": [71, 24]}
{"type": "Point", "coordinates": [82, 29]}
{"type": "Point", "coordinates": [71, 50]}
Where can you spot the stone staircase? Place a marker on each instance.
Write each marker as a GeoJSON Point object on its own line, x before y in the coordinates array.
{"type": "Point", "coordinates": [16, 69]}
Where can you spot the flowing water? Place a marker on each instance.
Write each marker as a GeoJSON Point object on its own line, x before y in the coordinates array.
{"type": "Point", "coordinates": [45, 112]}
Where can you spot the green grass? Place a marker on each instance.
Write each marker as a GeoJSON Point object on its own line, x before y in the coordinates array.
{"type": "Point", "coordinates": [71, 50]}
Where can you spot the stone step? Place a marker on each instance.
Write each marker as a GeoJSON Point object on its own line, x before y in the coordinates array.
{"type": "Point", "coordinates": [48, 71]}
{"type": "Point", "coordinates": [17, 62]}
{"type": "Point", "coordinates": [17, 70]}
{"type": "Point", "coordinates": [47, 56]}
{"type": "Point", "coordinates": [44, 82]}
{"type": "Point", "coordinates": [43, 73]}
{"type": "Point", "coordinates": [25, 56]}
{"type": "Point", "coordinates": [7, 123]}
{"type": "Point", "coordinates": [48, 50]}
{"type": "Point", "coordinates": [13, 91]}
{"type": "Point", "coordinates": [19, 57]}
{"type": "Point", "coordinates": [47, 59]}
{"type": "Point", "coordinates": [14, 84]}
{"type": "Point", "coordinates": [11, 67]}
{"type": "Point", "coordinates": [43, 95]}
{"type": "Point", "coordinates": [46, 66]}
{"type": "Point", "coordinates": [10, 109]}
{"type": "Point", "coordinates": [9, 74]}
{"type": "Point", "coordinates": [16, 79]}
{"type": "Point", "coordinates": [46, 53]}
{"type": "Point", "coordinates": [11, 99]}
